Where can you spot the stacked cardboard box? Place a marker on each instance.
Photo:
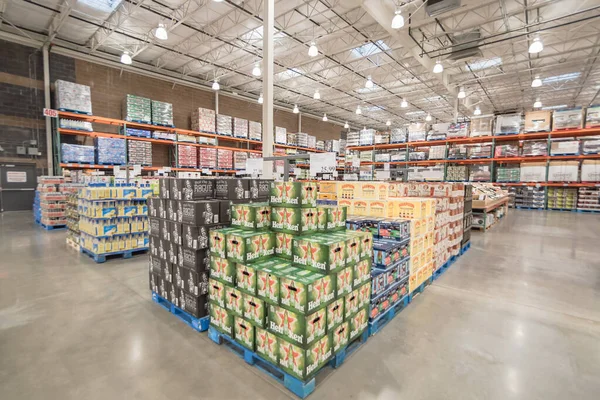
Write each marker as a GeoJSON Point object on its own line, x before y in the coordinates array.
{"type": "Point", "coordinates": [255, 131]}
{"type": "Point", "coordinates": [207, 158]}
{"type": "Point", "coordinates": [280, 135]}
{"type": "Point", "coordinates": [286, 279]}
{"type": "Point", "coordinates": [50, 201]}
{"type": "Point", "coordinates": [588, 199]}
{"type": "Point", "coordinates": [71, 96]}
{"type": "Point", "coordinates": [562, 198]}
{"type": "Point", "coordinates": [187, 156]}
{"type": "Point", "coordinates": [224, 125]}
{"type": "Point", "coordinates": [162, 113]}
{"type": "Point", "coordinates": [136, 108]}
{"type": "Point", "coordinates": [140, 153]}
{"type": "Point", "coordinates": [203, 120]}
{"type": "Point", "coordinates": [240, 128]}
{"type": "Point", "coordinates": [468, 215]}
{"type": "Point", "coordinates": [111, 151]}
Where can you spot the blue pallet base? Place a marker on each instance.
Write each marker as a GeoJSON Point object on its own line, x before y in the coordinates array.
{"type": "Point", "coordinates": [589, 211]}
{"type": "Point", "coordinates": [75, 111]}
{"type": "Point", "coordinates": [76, 129]}
{"type": "Point", "coordinates": [78, 162]}
{"type": "Point", "coordinates": [564, 154]}
{"type": "Point", "coordinates": [164, 125]}
{"type": "Point", "coordinates": [420, 289]}
{"type": "Point", "coordinates": [109, 163]}
{"type": "Point", "coordinates": [529, 208]}
{"type": "Point", "coordinates": [381, 321]}
{"type": "Point", "coordinates": [466, 247]}
{"type": "Point", "coordinates": [563, 209]}
{"type": "Point", "coordinates": [438, 272]}
{"type": "Point", "coordinates": [300, 388]}
{"type": "Point", "coordinates": [198, 324]}
{"type": "Point", "coordinates": [161, 301]}
{"type": "Point", "coordinates": [101, 258]}
{"type": "Point", "coordinates": [50, 227]}
{"type": "Point", "coordinates": [138, 121]}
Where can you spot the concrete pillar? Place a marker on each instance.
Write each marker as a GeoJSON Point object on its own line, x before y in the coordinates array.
{"type": "Point", "coordinates": [268, 70]}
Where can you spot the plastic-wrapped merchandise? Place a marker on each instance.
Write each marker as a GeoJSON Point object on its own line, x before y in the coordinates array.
{"type": "Point", "coordinates": [207, 158]}
{"type": "Point", "coordinates": [590, 146]}
{"type": "Point", "coordinates": [530, 197]}
{"type": "Point", "coordinates": [352, 139]}
{"type": "Point", "coordinates": [417, 156]}
{"type": "Point", "coordinates": [240, 128]}
{"type": "Point", "coordinates": [508, 124]}
{"type": "Point", "coordinates": [382, 137]}
{"type": "Point", "coordinates": [239, 160]}
{"type": "Point", "coordinates": [480, 173]}
{"type": "Point", "coordinates": [562, 198]}
{"type": "Point", "coordinates": [137, 109]}
{"type": "Point", "coordinates": [341, 147]}
{"type": "Point", "coordinates": [211, 141]}
{"type": "Point", "coordinates": [438, 131]}
{"type": "Point", "coordinates": [437, 152]}
{"type": "Point", "coordinates": [563, 171]}
{"type": "Point", "coordinates": [224, 159]}
{"type": "Point", "coordinates": [367, 137]}
{"type": "Point", "coordinates": [311, 141]}
{"type": "Point", "coordinates": [224, 125]}
{"type": "Point", "coordinates": [280, 135]}
{"type": "Point", "coordinates": [320, 145]}
{"type": "Point", "coordinates": [162, 113]}
{"type": "Point", "coordinates": [382, 156]}
{"type": "Point", "coordinates": [75, 124]}
{"type": "Point", "coordinates": [138, 132]}
{"type": "Point", "coordinates": [430, 174]}
{"type": "Point", "coordinates": [139, 153]}
{"type": "Point", "coordinates": [533, 148]}
{"type": "Point", "coordinates": [70, 96]}
{"type": "Point", "coordinates": [417, 132]}
{"type": "Point", "coordinates": [398, 155]}
{"type": "Point", "coordinates": [302, 139]}
{"type": "Point", "coordinates": [480, 151]}
{"type": "Point", "coordinates": [292, 139]}
{"type": "Point", "coordinates": [457, 152]}
{"type": "Point", "coordinates": [164, 135]}
{"type": "Point", "coordinates": [457, 173]}
{"type": "Point", "coordinates": [567, 119]}
{"type": "Point", "coordinates": [77, 153]}
{"type": "Point", "coordinates": [508, 173]}
{"type": "Point", "coordinates": [367, 155]}
{"type": "Point", "coordinates": [458, 130]}
{"type": "Point", "coordinates": [564, 147]}
{"type": "Point", "coordinates": [482, 126]}
{"type": "Point", "coordinates": [204, 120]}
{"type": "Point", "coordinates": [588, 198]}
{"type": "Point", "coordinates": [538, 121]}
{"type": "Point", "coordinates": [533, 172]}
{"type": "Point", "coordinates": [592, 116]}
{"type": "Point", "coordinates": [111, 151]}
{"type": "Point", "coordinates": [187, 156]}
{"type": "Point", "coordinates": [398, 135]}
{"type": "Point", "coordinates": [506, 150]}
{"type": "Point", "coordinates": [186, 138]}
{"type": "Point", "coordinates": [255, 131]}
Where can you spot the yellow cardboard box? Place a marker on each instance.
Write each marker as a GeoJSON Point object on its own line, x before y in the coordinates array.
{"type": "Point", "coordinates": [377, 208]}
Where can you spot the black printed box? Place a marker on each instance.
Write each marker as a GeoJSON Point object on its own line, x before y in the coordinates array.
{"type": "Point", "coordinates": [200, 213]}
{"type": "Point", "coordinates": [233, 189]}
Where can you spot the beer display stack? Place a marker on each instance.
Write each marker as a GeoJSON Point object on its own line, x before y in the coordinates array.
{"type": "Point", "coordinates": [289, 285]}
{"type": "Point", "coordinates": [113, 220]}
{"type": "Point", "coordinates": [467, 218]}
{"type": "Point", "coordinates": [50, 203]}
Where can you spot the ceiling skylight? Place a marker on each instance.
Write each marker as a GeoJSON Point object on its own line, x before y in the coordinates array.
{"type": "Point", "coordinates": [483, 64]}
{"type": "Point", "coordinates": [369, 49]}
{"type": "Point", "coordinates": [562, 78]}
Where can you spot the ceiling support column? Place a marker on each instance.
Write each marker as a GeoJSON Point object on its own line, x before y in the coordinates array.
{"type": "Point", "coordinates": [267, 111]}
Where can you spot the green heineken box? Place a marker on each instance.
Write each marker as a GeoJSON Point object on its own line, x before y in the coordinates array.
{"type": "Point", "coordinates": [366, 244]}
{"type": "Point", "coordinates": [222, 269]}
{"type": "Point", "coordinates": [343, 281]}
{"type": "Point", "coordinates": [268, 281]}
{"type": "Point", "coordinates": [304, 363]}
{"type": "Point", "coordinates": [364, 294]}
{"type": "Point", "coordinates": [351, 301]}
{"type": "Point", "coordinates": [321, 219]}
{"type": "Point", "coordinates": [300, 194]}
{"type": "Point", "coordinates": [335, 314]}
{"type": "Point", "coordinates": [352, 245]}
{"type": "Point", "coordinates": [361, 272]}
{"type": "Point", "coordinates": [302, 330]}
{"type": "Point", "coordinates": [267, 345]}
{"type": "Point", "coordinates": [255, 310]}
{"type": "Point", "coordinates": [216, 292]}
{"type": "Point", "coordinates": [245, 277]}
{"type": "Point", "coordinates": [234, 301]}
{"type": "Point", "coordinates": [218, 241]}
{"type": "Point", "coordinates": [336, 217]}
{"type": "Point", "coordinates": [283, 245]}
{"type": "Point", "coordinates": [319, 253]}
{"type": "Point", "coordinates": [340, 336]}
{"type": "Point", "coordinates": [246, 246]}
{"type": "Point", "coordinates": [243, 332]}
{"type": "Point", "coordinates": [294, 220]}
{"type": "Point", "coordinates": [251, 216]}
{"type": "Point", "coordinates": [305, 291]}
{"type": "Point", "coordinates": [221, 319]}
{"type": "Point", "coordinates": [358, 322]}
{"type": "Point", "coordinates": [277, 193]}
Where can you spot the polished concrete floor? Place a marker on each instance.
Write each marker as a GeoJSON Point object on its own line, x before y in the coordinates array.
{"type": "Point", "coordinates": [517, 317]}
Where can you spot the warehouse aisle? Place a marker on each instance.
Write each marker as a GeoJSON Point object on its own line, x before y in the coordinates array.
{"type": "Point", "coordinates": [516, 317]}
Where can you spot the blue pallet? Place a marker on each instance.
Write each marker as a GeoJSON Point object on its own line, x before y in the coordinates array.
{"type": "Point", "coordinates": [466, 247]}
{"type": "Point", "coordinates": [300, 388]}
{"type": "Point", "coordinates": [161, 301]}
{"type": "Point", "coordinates": [438, 272]}
{"type": "Point", "coordinates": [563, 209]}
{"type": "Point", "coordinates": [479, 158]}
{"type": "Point", "coordinates": [101, 258]}
{"type": "Point", "coordinates": [564, 154]}
{"type": "Point", "coordinates": [382, 320]}
{"type": "Point", "coordinates": [164, 125]}
{"type": "Point", "coordinates": [138, 121]}
{"type": "Point", "coordinates": [589, 211]}
{"type": "Point", "coordinates": [78, 162]}
{"type": "Point", "coordinates": [50, 227]}
{"type": "Point", "coordinates": [76, 129]}
{"type": "Point", "coordinates": [530, 208]}
{"type": "Point", "coordinates": [420, 289]}
{"type": "Point", "coordinates": [110, 163]}
{"type": "Point", "coordinates": [75, 111]}
{"type": "Point", "coordinates": [506, 133]}
{"type": "Point", "coordinates": [198, 324]}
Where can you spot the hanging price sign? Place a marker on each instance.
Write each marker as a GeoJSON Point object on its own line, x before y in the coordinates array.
{"type": "Point", "coordinates": [322, 163]}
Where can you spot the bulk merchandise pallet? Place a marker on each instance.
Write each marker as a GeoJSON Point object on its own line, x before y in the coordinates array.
{"type": "Point", "coordinates": [101, 258]}
{"type": "Point", "coordinates": [50, 227]}
{"type": "Point", "coordinates": [198, 324]}
{"type": "Point", "coordinates": [300, 388]}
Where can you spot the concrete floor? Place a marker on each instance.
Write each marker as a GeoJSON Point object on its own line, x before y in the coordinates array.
{"type": "Point", "coordinates": [517, 317]}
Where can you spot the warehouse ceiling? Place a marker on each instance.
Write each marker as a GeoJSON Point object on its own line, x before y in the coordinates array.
{"type": "Point", "coordinates": [482, 45]}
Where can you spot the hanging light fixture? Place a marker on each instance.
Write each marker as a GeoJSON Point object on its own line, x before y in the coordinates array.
{"type": "Point", "coordinates": [358, 110]}
{"type": "Point", "coordinates": [428, 117]}
{"type": "Point", "coordinates": [260, 99]}
{"type": "Point", "coordinates": [312, 50]}
{"type": "Point", "coordinates": [477, 111]}
{"type": "Point", "coordinates": [438, 68]}
{"type": "Point", "coordinates": [536, 46]}
{"type": "Point", "coordinates": [256, 70]}
{"type": "Point", "coordinates": [324, 117]}
{"type": "Point", "coordinates": [295, 110]}
{"type": "Point", "coordinates": [388, 122]}
{"type": "Point", "coordinates": [398, 20]}
{"type": "Point", "coordinates": [537, 104]}
{"type": "Point", "coordinates": [346, 126]}
{"type": "Point", "coordinates": [161, 32]}
{"type": "Point", "coordinates": [215, 85]}
{"type": "Point", "coordinates": [317, 95]}
{"type": "Point", "coordinates": [461, 93]}
{"type": "Point", "coordinates": [404, 103]}
{"type": "Point", "coordinates": [369, 83]}
{"type": "Point", "coordinates": [537, 82]}
{"type": "Point", "coordinates": [126, 58]}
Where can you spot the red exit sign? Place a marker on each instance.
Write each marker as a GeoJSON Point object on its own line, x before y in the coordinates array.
{"type": "Point", "coordinates": [48, 112]}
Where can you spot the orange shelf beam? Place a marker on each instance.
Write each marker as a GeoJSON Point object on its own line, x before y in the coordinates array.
{"type": "Point", "coordinates": [97, 166]}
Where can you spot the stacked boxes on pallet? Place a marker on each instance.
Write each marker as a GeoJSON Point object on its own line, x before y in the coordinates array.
{"type": "Point", "coordinates": [50, 201]}
{"type": "Point", "coordinates": [113, 219]}
{"type": "Point", "coordinates": [562, 198]}
{"type": "Point", "coordinates": [72, 219]}
{"type": "Point", "coordinates": [255, 131]}
{"type": "Point", "coordinates": [111, 151]}
{"type": "Point", "coordinates": [71, 96]}
{"type": "Point", "coordinates": [162, 113]}
{"type": "Point", "coordinates": [529, 196]}
{"type": "Point", "coordinates": [140, 153]}
{"type": "Point", "coordinates": [288, 279]}
{"type": "Point", "coordinates": [588, 199]}
{"type": "Point", "coordinates": [203, 120]}
{"type": "Point", "coordinates": [467, 215]}
{"type": "Point", "coordinates": [137, 109]}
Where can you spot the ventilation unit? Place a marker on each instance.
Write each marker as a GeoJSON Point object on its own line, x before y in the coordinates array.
{"type": "Point", "coordinates": [466, 46]}
{"type": "Point", "coordinates": [437, 7]}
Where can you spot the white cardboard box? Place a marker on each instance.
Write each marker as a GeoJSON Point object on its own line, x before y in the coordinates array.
{"type": "Point", "coordinates": [533, 172]}
{"type": "Point", "coordinates": [590, 171]}
{"type": "Point", "coordinates": [563, 171]}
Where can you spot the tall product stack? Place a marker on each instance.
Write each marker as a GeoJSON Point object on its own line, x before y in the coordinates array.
{"type": "Point", "coordinates": [468, 215]}
{"type": "Point", "coordinates": [72, 220]}
{"type": "Point", "coordinates": [50, 202]}
{"type": "Point", "coordinates": [285, 280]}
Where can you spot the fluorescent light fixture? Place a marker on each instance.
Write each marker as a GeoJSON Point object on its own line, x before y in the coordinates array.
{"type": "Point", "coordinates": [561, 78]}
{"type": "Point", "coordinates": [260, 99]}
{"type": "Point", "coordinates": [537, 104]}
{"type": "Point", "coordinates": [161, 32]}
{"type": "Point", "coordinates": [428, 117]}
{"type": "Point", "coordinates": [461, 93]}
{"type": "Point", "coordinates": [256, 70]}
{"type": "Point", "coordinates": [404, 103]}
{"type": "Point", "coordinates": [483, 64]}
{"type": "Point", "coordinates": [218, 1]}
{"type": "Point", "coordinates": [346, 126]}
{"type": "Point", "coordinates": [312, 50]}
{"type": "Point", "coordinates": [215, 85]}
{"type": "Point", "coordinates": [398, 21]}
{"type": "Point", "coordinates": [554, 107]}
{"type": "Point", "coordinates": [438, 68]}
{"type": "Point", "coordinates": [358, 110]}
{"type": "Point", "coordinates": [414, 113]}
{"type": "Point", "coordinates": [536, 46]}
{"type": "Point", "coordinates": [324, 117]}
{"type": "Point", "coordinates": [369, 83]}
{"type": "Point", "coordinates": [388, 122]}
{"type": "Point", "coordinates": [537, 82]}
{"type": "Point", "coordinates": [126, 58]}
{"type": "Point", "coordinates": [317, 95]}
{"type": "Point", "coordinates": [295, 110]}
{"type": "Point", "coordinates": [477, 111]}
